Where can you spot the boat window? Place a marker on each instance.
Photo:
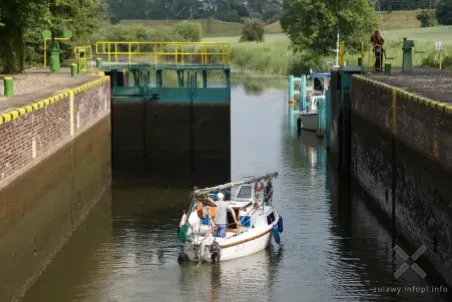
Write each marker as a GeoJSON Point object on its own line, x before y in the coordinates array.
{"type": "Point", "coordinates": [318, 84]}
{"type": "Point", "coordinates": [271, 218]}
{"type": "Point", "coordinates": [244, 192]}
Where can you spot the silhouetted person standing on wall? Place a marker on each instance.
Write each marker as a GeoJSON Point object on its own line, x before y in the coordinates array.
{"type": "Point", "coordinates": [377, 42]}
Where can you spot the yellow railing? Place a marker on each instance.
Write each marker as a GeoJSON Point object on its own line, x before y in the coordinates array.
{"type": "Point", "coordinates": [83, 57]}
{"type": "Point", "coordinates": [165, 52]}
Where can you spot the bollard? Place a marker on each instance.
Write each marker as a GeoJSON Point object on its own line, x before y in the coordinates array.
{"type": "Point", "coordinates": [8, 83]}
{"type": "Point", "coordinates": [73, 69]}
{"type": "Point", "coordinates": [388, 69]}
{"type": "Point", "coordinates": [99, 63]}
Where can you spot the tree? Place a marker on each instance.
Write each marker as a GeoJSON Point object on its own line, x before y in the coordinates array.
{"type": "Point", "coordinates": [444, 12]}
{"type": "Point", "coordinates": [24, 20]}
{"type": "Point", "coordinates": [312, 25]}
{"type": "Point", "coordinates": [426, 17]}
{"type": "Point", "coordinates": [253, 30]}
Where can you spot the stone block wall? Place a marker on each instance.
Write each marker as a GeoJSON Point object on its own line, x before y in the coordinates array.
{"type": "Point", "coordinates": [54, 166]}
{"type": "Point", "coordinates": [402, 156]}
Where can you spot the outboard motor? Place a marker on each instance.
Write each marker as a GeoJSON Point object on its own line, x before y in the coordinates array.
{"type": "Point", "coordinates": [215, 251]}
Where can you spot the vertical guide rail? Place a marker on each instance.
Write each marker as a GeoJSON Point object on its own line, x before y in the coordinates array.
{"type": "Point", "coordinates": [291, 94]}
{"type": "Point", "coordinates": [303, 91]}
{"type": "Point", "coordinates": [191, 88]}
{"type": "Point", "coordinates": [327, 117]}
{"type": "Point", "coordinates": [321, 120]}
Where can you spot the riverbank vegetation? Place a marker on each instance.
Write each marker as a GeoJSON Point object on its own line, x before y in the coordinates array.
{"type": "Point", "coordinates": [292, 45]}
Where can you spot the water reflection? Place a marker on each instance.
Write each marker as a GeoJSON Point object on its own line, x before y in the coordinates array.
{"type": "Point", "coordinates": [254, 274]}
{"type": "Point", "coordinates": [332, 249]}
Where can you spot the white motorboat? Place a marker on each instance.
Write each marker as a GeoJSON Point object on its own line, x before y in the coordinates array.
{"type": "Point", "coordinates": [309, 116]}
{"type": "Point", "coordinates": [259, 222]}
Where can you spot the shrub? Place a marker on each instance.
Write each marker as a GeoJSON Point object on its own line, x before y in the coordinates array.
{"type": "Point", "coordinates": [426, 17]}
{"type": "Point", "coordinates": [253, 30]}
{"type": "Point", "coordinates": [188, 31]}
{"type": "Point", "coordinates": [432, 60]}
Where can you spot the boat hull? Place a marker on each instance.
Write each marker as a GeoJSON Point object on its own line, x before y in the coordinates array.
{"type": "Point", "coordinates": [309, 121]}
{"type": "Point", "coordinates": [252, 240]}
{"type": "Point", "coordinates": [233, 250]}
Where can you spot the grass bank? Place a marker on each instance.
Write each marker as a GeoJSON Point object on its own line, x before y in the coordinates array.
{"type": "Point", "coordinates": [274, 56]}
{"type": "Point", "coordinates": [217, 28]}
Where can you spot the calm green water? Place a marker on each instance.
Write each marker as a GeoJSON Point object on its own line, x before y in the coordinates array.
{"type": "Point", "coordinates": [127, 249]}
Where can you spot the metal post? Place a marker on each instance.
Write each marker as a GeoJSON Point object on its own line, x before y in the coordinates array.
{"type": "Point", "coordinates": [327, 118]}
{"type": "Point", "coordinates": [407, 62]}
{"type": "Point", "coordinates": [363, 51]}
{"type": "Point", "coordinates": [159, 78]}
{"type": "Point", "coordinates": [204, 78]}
{"type": "Point", "coordinates": [73, 69]}
{"type": "Point", "coordinates": [180, 77]}
{"type": "Point", "coordinates": [303, 92]}
{"type": "Point", "coordinates": [98, 63]}
{"type": "Point", "coordinates": [291, 88]}
{"type": "Point", "coordinates": [341, 54]}
{"type": "Point", "coordinates": [8, 85]}
{"type": "Point", "coordinates": [54, 56]}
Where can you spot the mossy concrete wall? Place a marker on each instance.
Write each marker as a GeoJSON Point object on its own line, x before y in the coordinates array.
{"type": "Point", "coordinates": [401, 155]}
{"type": "Point", "coordinates": [54, 166]}
{"type": "Point", "coordinates": [168, 141]}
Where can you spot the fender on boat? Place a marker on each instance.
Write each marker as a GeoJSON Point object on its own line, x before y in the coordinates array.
{"type": "Point", "coordinates": [183, 220]}
{"type": "Point", "coordinates": [280, 224]}
{"type": "Point", "coordinates": [276, 234]}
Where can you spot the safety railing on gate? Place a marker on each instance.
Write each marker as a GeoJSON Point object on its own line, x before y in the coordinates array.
{"type": "Point", "coordinates": [164, 52]}
{"type": "Point", "coordinates": [83, 58]}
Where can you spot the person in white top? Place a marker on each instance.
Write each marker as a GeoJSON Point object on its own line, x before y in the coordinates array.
{"type": "Point", "coordinates": [221, 219]}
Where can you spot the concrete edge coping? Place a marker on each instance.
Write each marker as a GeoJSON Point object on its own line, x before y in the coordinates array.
{"type": "Point", "coordinates": [440, 106]}
{"type": "Point", "coordinates": [16, 113]}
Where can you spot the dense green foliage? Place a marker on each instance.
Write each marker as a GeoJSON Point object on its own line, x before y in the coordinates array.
{"type": "Point", "coordinates": [312, 25]}
{"type": "Point", "coordinates": [253, 30]}
{"type": "Point", "coordinates": [427, 17]}
{"type": "Point", "coordinates": [182, 31]}
{"type": "Point", "coordinates": [188, 31]}
{"type": "Point", "coordinates": [444, 12]}
{"type": "Point", "coordinates": [391, 5]}
{"type": "Point", "coordinates": [225, 10]}
{"type": "Point", "coordinates": [20, 37]}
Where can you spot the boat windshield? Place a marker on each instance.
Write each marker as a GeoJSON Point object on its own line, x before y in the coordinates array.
{"type": "Point", "coordinates": [244, 192]}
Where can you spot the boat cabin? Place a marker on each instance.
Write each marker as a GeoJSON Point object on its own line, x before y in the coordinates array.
{"type": "Point", "coordinates": [320, 82]}
{"type": "Point", "coordinates": [243, 203]}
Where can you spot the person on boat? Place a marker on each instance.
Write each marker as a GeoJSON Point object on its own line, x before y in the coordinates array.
{"type": "Point", "coordinates": [221, 218]}
{"type": "Point", "coordinates": [206, 213]}
{"type": "Point", "coordinates": [377, 42]}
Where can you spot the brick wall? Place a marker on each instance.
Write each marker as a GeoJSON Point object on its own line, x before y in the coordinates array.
{"type": "Point", "coordinates": [402, 147]}
{"type": "Point", "coordinates": [55, 164]}
{"type": "Point", "coordinates": [29, 133]}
